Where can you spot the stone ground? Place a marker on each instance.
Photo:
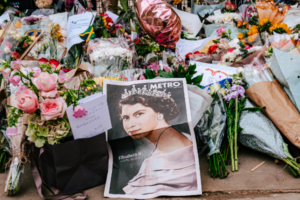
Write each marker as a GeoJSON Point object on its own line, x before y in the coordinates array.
{"type": "Point", "coordinates": [270, 181]}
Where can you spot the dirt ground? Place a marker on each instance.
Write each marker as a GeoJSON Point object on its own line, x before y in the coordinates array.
{"type": "Point", "coordinates": [270, 181]}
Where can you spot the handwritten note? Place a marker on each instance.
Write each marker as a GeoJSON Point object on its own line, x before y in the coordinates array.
{"type": "Point", "coordinates": [96, 121]}
{"type": "Point", "coordinates": [212, 73]}
{"type": "Point", "coordinates": [77, 24]}
{"type": "Point", "coordinates": [113, 16]}
{"type": "Point", "coordinates": [190, 23]}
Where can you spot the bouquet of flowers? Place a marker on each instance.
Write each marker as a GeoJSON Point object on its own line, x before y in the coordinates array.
{"type": "Point", "coordinates": [110, 56]}
{"type": "Point", "coordinates": [14, 45]}
{"type": "Point", "coordinates": [229, 7]}
{"type": "Point", "coordinates": [42, 99]}
{"type": "Point", "coordinates": [226, 18]}
{"type": "Point", "coordinates": [250, 15]}
{"type": "Point", "coordinates": [234, 55]}
{"type": "Point", "coordinates": [205, 2]}
{"type": "Point", "coordinates": [32, 22]}
{"type": "Point", "coordinates": [42, 4]}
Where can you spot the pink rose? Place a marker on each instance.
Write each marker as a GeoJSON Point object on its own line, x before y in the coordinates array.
{"type": "Point", "coordinates": [14, 80]}
{"type": "Point", "coordinates": [20, 90]}
{"type": "Point", "coordinates": [6, 50]}
{"type": "Point", "coordinates": [50, 94]}
{"type": "Point", "coordinates": [135, 78]}
{"type": "Point", "coordinates": [142, 77]}
{"type": "Point", "coordinates": [6, 72]}
{"type": "Point", "coordinates": [51, 109]}
{"type": "Point", "coordinates": [37, 71]}
{"type": "Point", "coordinates": [27, 101]}
{"type": "Point", "coordinates": [46, 82]}
{"type": "Point", "coordinates": [9, 45]}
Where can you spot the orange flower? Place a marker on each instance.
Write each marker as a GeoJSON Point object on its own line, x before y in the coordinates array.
{"type": "Point", "coordinates": [240, 36]}
{"type": "Point", "coordinates": [239, 23]}
{"type": "Point", "coordinates": [252, 38]}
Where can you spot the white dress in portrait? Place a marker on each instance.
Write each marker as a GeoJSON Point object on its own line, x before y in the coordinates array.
{"type": "Point", "coordinates": [169, 172]}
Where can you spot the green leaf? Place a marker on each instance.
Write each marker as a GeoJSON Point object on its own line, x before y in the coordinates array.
{"type": "Point", "coordinates": [197, 79]}
{"type": "Point", "coordinates": [124, 4]}
{"type": "Point", "coordinates": [286, 150]}
{"type": "Point", "coordinates": [192, 68]}
{"type": "Point", "coordinates": [165, 74]}
{"type": "Point", "coordinates": [254, 108]}
{"type": "Point", "coordinates": [116, 8]}
{"type": "Point", "coordinates": [188, 78]}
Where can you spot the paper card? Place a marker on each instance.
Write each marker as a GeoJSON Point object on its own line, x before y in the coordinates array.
{"type": "Point", "coordinates": [190, 22]}
{"type": "Point", "coordinates": [78, 24]}
{"type": "Point", "coordinates": [96, 121]}
{"type": "Point", "coordinates": [183, 47]}
{"type": "Point", "coordinates": [278, 37]}
{"type": "Point", "coordinates": [212, 73]}
{"type": "Point", "coordinates": [217, 12]}
{"type": "Point", "coordinates": [4, 17]}
{"type": "Point", "coordinates": [113, 16]}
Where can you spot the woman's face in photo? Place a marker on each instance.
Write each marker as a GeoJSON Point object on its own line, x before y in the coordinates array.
{"type": "Point", "coordinates": [138, 120]}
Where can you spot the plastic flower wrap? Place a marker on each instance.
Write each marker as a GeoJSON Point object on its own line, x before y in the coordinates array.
{"type": "Point", "coordinates": [15, 44]}
{"type": "Point", "coordinates": [110, 57]}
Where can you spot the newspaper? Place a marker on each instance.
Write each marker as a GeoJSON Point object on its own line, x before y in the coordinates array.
{"type": "Point", "coordinates": [152, 147]}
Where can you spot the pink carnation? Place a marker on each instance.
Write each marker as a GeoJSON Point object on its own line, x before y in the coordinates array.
{"type": "Point", "coordinates": [79, 111]}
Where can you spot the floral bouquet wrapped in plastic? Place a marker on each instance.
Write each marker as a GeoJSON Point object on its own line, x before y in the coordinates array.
{"type": "Point", "coordinates": [110, 56]}
{"type": "Point", "coordinates": [40, 102]}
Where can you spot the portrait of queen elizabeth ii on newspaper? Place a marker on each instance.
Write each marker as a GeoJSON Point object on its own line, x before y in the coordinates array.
{"type": "Point", "coordinates": [152, 140]}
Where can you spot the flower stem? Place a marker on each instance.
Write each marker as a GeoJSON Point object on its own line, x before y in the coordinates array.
{"type": "Point", "coordinates": [235, 134]}
{"type": "Point", "coordinates": [231, 149]}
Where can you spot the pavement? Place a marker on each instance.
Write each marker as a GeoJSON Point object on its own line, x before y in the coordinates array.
{"type": "Point", "coordinates": [270, 181]}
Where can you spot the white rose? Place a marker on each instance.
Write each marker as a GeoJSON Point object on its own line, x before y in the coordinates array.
{"type": "Point", "coordinates": [227, 18]}
{"type": "Point", "coordinates": [6, 50]}
{"type": "Point", "coordinates": [239, 70]}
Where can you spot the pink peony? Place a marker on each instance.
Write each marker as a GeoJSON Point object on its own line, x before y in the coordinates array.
{"type": "Point", "coordinates": [27, 101]}
{"type": "Point", "coordinates": [221, 30]}
{"type": "Point", "coordinates": [50, 94]}
{"type": "Point", "coordinates": [14, 80]}
{"type": "Point", "coordinates": [12, 131]}
{"type": "Point", "coordinates": [79, 111]}
{"type": "Point", "coordinates": [6, 72]}
{"type": "Point", "coordinates": [37, 71]}
{"type": "Point", "coordinates": [46, 82]}
{"type": "Point", "coordinates": [51, 109]}
{"type": "Point", "coordinates": [16, 64]}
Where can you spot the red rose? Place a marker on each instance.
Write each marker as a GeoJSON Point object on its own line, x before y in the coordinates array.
{"type": "Point", "coordinates": [188, 55]}
{"type": "Point", "coordinates": [17, 12]}
{"type": "Point", "coordinates": [137, 40]}
{"type": "Point", "coordinates": [54, 63]}
{"type": "Point", "coordinates": [25, 45]}
{"type": "Point", "coordinates": [9, 45]}
{"type": "Point", "coordinates": [212, 49]}
{"type": "Point", "coordinates": [101, 14]}
{"type": "Point", "coordinates": [108, 20]}
{"type": "Point", "coordinates": [15, 55]}
{"type": "Point", "coordinates": [43, 60]}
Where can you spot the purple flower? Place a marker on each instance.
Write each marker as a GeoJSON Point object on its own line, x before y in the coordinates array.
{"type": "Point", "coordinates": [69, 4]}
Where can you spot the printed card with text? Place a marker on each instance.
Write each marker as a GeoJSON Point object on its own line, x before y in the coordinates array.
{"type": "Point", "coordinates": [96, 120]}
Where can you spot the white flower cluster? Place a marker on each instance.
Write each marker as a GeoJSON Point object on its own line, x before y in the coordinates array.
{"type": "Point", "coordinates": [104, 51]}
{"type": "Point", "coordinates": [224, 18]}
{"type": "Point", "coordinates": [235, 55]}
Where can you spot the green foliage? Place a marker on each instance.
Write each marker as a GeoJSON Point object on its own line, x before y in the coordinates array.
{"type": "Point", "coordinates": [179, 72]}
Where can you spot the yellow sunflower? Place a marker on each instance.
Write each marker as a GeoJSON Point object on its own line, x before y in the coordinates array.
{"type": "Point", "coordinates": [263, 21]}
